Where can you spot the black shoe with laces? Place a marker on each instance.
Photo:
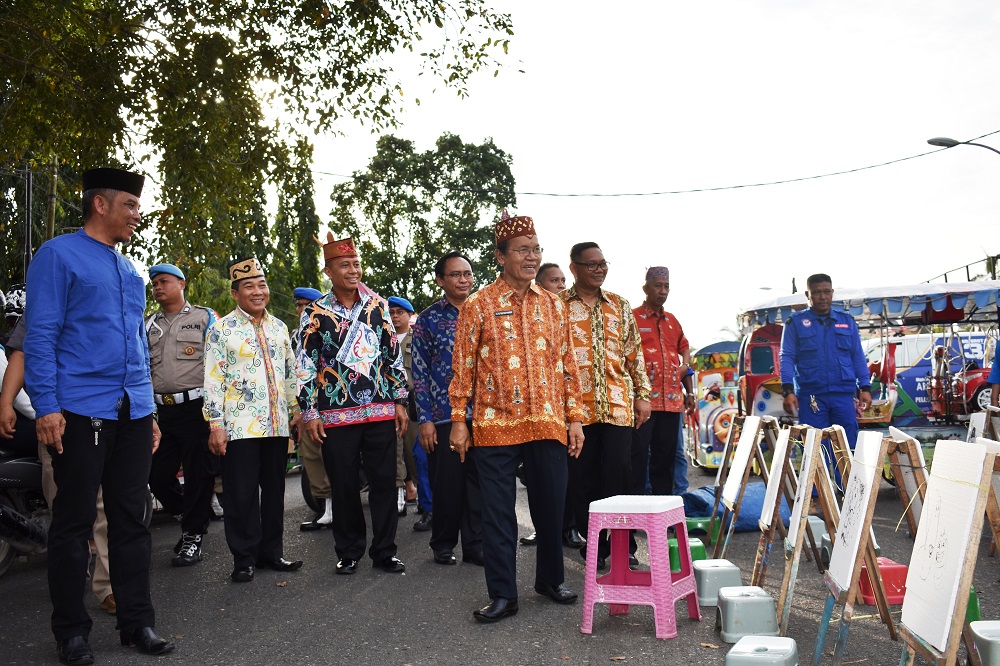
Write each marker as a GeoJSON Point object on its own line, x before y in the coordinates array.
{"type": "Point", "coordinates": [188, 550]}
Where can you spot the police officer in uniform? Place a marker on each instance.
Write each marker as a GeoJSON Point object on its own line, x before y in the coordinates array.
{"type": "Point", "coordinates": [87, 372]}
{"type": "Point", "coordinates": [176, 336]}
{"type": "Point", "coordinates": [823, 365]}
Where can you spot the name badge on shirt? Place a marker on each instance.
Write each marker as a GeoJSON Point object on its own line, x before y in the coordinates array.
{"type": "Point", "coordinates": [841, 325]}
{"type": "Point", "coordinates": [503, 313]}
{"type": "Point", "coordinates": [645, 330]}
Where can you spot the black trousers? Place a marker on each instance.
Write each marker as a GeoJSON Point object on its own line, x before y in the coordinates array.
{"type": "Point", "coordinates": [119, 461]}
{"type": "Point", "coordinates": [656, 441]}
{"type": "Point", "coordinates": [346, 450]}
{"type": "Point", "coordinates": [545, 476]}
{"type": "Point", "coordinates": [184, 444]}
{"type": "Point", "coordinates": [604, 469]}
{"type": "Point", "coordinates": [254, 479]}
{"type": "Point", "coordinates": [458, 500]}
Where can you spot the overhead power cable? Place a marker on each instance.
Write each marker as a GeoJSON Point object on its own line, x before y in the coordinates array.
{"type": "Point", "coordinates": [397, 183]}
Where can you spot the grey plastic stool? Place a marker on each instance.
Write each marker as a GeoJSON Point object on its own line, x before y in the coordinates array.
{"type": "Point", "coordinates": [712, 575]}
{"type": "Point", "coordinates": [763, 650]}
{"type": "Point", "coordinates": [986, 634]}
{"type": "Point", "coordinates": [745, 611]}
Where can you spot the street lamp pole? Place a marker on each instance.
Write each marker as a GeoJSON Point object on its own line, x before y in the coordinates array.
{"type": "Point", "coordinates": [945, 142]}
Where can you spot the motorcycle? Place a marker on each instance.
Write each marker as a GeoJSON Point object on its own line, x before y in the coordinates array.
{"type": "Point", "coordinates": [24, 515]}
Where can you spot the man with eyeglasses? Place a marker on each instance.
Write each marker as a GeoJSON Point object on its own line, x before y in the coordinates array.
{"type": "Point", "coordinates": [514, 361]}
{"type": "Point", "coordinates": [667, 355]}
{"type": "Point", "coordinates": [823, 365]}
{"type": "Point", "coordinates": [454, 485]}
{"type": "Point", "coordinates": [613, 385]}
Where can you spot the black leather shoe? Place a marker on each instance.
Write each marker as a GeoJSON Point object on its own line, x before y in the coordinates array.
{"type": "Point", "coordinates": [281, 564]}
{"type": "Point", "coordinates": [559, 594]}
{"type": "Point", "coordinates": [346, 566]}
{"type": "Point", "coordinates": [530, 540]}
{"type": "Point", "coordinates": [75, 650]}
{"type": "Point", "coordinates": [391, 565]}
{"type": "Point", "coordinates": [424, 524]}
{"type": "Point", "coordinates": [498, 609]}
{"type": "Point", "coordinates": [474, 558]}
{"type": "Point", "coordinates": [146, 641]}
{"type": "Point", "coordinates": [633, 562]}
{"type": "Point", "coordinates": [572, 538]}
{"type": "Point", "coordinates": [242, 574]}
{"type": "Point", "coordinates": [602, 562]}
{"type": "Point", "coordinates": [311, 526]}
{"type": "Point", "coordinates": [445, 557]}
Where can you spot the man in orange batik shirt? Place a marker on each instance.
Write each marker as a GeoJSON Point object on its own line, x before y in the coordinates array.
{"type": "Point", "coordinates": [514, 359]}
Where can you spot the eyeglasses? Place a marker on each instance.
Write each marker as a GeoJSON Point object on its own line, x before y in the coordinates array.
{"type": "Point", "coordinates": [457, 275]}
{"type": "Point", "coordinates": [594, 265]}
{"type": "Point", "coordinates": [522, 251]}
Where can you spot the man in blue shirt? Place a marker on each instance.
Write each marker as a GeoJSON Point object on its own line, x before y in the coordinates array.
{"type": "Point", "coordinates": [822, 363]}
{"type": "Point", "coordinates": [87, 374]}
{"type": "Point", "coordinates": [454, 484]}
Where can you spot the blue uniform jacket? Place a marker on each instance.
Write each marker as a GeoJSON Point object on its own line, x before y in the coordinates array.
{"type": "Point", "coordinates": [823, 354]}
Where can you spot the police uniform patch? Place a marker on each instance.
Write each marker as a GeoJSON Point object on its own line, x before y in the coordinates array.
{"type": "Point", "coordinates": [189, 350]}
{"type": "Point", "coordinates": [807, 322]}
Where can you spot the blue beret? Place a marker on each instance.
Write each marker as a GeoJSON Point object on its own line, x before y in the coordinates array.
{"type": "Point", "coordinates": [400, 302]}
{"type": "Point", "coordinates": [169, 269]}
{"type": "Point", "coordinates": [307, 293]}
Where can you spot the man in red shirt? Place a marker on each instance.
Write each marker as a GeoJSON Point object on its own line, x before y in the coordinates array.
{"type": "Point", "coordinates": [667, 362]}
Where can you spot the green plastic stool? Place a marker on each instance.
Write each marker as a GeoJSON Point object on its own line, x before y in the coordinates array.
{"type": "Point", "coordinates": [972, 610]}
{"type": "Point", "coordinates": [697, 552]}
{"type": "Point", "coordinates": [701, 524]}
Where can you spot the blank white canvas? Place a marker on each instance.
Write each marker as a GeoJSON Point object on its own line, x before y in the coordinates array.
{"type": "Point", "coordinates": [864, 470]}
{"type": "Point", "coordinates": [744, 449]}
{"type": "Point", "coordinates": [977, 425]}
{"type": "Point", "coordinates": [943, 540]}
{"type": "Point", "coordinates": [907, 479]}
{"type": "Point", "coordinates": [805, 484]}
{"type": "Point", "coordinates": [774, 479]}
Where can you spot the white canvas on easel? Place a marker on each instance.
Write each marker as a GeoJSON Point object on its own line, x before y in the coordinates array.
{"type": "Point", "coordinates": [993, 413]}
{"type": "Point", "coordinates": [905, 472]}
{"type": "Point", "coordinates": [808, 451]}
{"type": "Point", "coordinates": [943, 540]}
{"type": "Point", "coordinates": [977, 426]}
{"type": "Point", "coordinates": [744, 450]}
{"type": "Point", "coordinates": [774, 479]}
{"type": "Point", "coordinates": [864, 469]}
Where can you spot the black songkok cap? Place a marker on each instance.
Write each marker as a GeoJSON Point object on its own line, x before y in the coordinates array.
{"type": "Point", "coordinates": [113, 179]}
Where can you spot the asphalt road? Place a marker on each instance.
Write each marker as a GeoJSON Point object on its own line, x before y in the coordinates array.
{"type": "Point", "coordinates": [425, 615]}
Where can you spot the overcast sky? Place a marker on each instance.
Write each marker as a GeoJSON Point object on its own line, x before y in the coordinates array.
{"type": "Point", "coordinates": [673, 96]}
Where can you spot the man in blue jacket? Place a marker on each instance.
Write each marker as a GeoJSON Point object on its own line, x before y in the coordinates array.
{"type": "Point", "coordinates": [822, 363]}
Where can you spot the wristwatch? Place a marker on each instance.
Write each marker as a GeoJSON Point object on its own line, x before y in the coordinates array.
{"type": "Point", "coordinates": [403, 402]}
{"type": "Point", "coordinates": [786, 392]}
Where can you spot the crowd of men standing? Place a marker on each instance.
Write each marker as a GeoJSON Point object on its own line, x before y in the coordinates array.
{"type": "Point", "coordinates": [577, 387]}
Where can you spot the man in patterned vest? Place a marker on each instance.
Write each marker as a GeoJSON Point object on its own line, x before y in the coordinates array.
{"type": "Point", "coordinates": [249, 395]}
{"type": "Point", "coordinates": [351, 381]}
{"type": "Point", "coordinates": [513, 358]}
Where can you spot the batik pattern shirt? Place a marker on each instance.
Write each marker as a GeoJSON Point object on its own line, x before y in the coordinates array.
{"type": "Point", "coordinates": [513, 359]}
{"type": "Point", "coordinates": [249, 376]}
{"type": "Point", "coordinates": [433, 343]}
{"type": "Point", "coordinates": [350, 368]}
{"type": "Point", "coordinates": [609, 355]}
{"type": "Point", "coordinates": [663, 342]}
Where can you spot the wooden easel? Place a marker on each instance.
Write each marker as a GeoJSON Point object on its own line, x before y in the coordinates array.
{"type": "Point", "coordinates": [958, 629]}
{"type": "Point", "coordinates": [781, 475]}
{"type": "Point", "coordinates": [746, 450]}
{"type": "Point", "coordinates": [907, 467]}
{"type": "Point", "coordinates": [848, 595]}
{"type": "Point", "coordinates": [810, 476]}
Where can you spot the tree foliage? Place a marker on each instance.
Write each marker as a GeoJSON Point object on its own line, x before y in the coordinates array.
{"type": "Point", "coordinates": [409, 208]}
{"type": "Point", "coordinates": [188, 91]}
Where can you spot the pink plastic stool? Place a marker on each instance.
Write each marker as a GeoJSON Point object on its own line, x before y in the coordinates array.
{"type": "Point", "coordinates": [621, 586]}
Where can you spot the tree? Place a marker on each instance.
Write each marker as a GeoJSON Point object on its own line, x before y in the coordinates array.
{"type": "Point", "coordinates": [408, 209]}
{"type": "Point", "coordinates": [185, 87]}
